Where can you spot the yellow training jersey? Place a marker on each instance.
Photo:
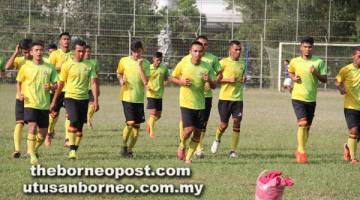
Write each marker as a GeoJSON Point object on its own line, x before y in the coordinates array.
{"type": "Point", "coordinates": [193, 96]}
{"type": "Point", "coordinates": [18, 63]}
{"type": "Point", "coordinates": [133, 90]}
{"type": "Point", "coordinates": [76, 76]}
{"type": "Point", "coordinates": [307, 89]}
{"type": "Point", "coordinates": [350, 77]}
{"type": "Point", "coordinates": [156, 81]}
{"type": "Point", "coordinates": [94, 64]}
{"type": "Point", "coordinates": [33, 77]}
{"type": "Point", "coordinates": [232, 69]}
{"type": "Point", "coordinates": [59, 57]}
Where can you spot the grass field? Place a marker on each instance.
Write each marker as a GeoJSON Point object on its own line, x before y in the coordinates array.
{"type": "Point", "coordinates": [267, 141]}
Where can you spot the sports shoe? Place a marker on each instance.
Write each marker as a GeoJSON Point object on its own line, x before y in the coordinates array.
{"type": "Point", "coordinates": [301, 158]}
{"type": "Point", "coordinates": [130, 154]}
{"type": "Point", "coordinates": [355, 161]}
{"type": "Point", "coordinates": [188, 162]}
{"type": "Point", "coordinates": [215, 146]}
{"type": "Point", "coordinates": [48, 139]}
{"type": "Point", "coordinates": [346, 155]}
{"type": "Point", "coordinates": [124, 152]}
{"type": "Point", "coordinates": [72, 154]}
{"type": "Point", "coordinates": [200, 154]}
{"type": "Point", "coordinates": [233, 154]}
{"type": "Point", "coordinates": [34, 160]}
{"type": "Point", "coordinates": [181, 153]}
{"type": "Point", "coordinates": [66, 143]}
{"type": "Point", "coordinates": [16, 154]}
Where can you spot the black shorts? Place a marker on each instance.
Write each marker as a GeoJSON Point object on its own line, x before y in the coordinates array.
{"type": "Point", "coordinates": [154, 103]}
{"type": "Point", "coordinates": [40, 117]}
{"type": "Point", "coordinates": [352, 118]}
{"type": "Point", "coordinates": [192, 118]}
{"type": "Point", "coordinates": [230, 108]}
{"type": "Point", "coordinates": [60, 102]}
{"type": "Point", "coordinates": [19, 110]}
{"type": "Point", "coordinates": [91, 96]}
{"type": "Point", "coordinates": [304, 110]}
{"type": "Point", "coordinates": [134, 112]}
{"type": "Point", "coordinates": [206, 111]}
{"type": "Point", "coordinates": [77, 112]}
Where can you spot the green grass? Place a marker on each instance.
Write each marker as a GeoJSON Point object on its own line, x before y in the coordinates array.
{"type": "Point", "coordinates": [267, 141]}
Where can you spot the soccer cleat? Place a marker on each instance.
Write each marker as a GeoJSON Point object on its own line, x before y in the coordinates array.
{"type": "Point", "coordinates": [66, 143]}
{"type": "Point", "coordinates": [233, 154]}
{"type": "Point", "coordinates": [130, 154]}
{"type": "Point", "coordinates": [72, 154]}
{"type": "Point", "coordinates": [355, 161]}
{"type": "Point", "coordinates": [124, 152]}
{"type": "Point", "coordinates": [48, 139]}
{"type": "Point", "coordinates": [16, 154]}
{"type": "Point", "coordinates": [346, 155]}
{"type": "Point", "coordinates": [34, 160]}
{"type": "Point", "coordinates": [215, 146]}
{"type": "Point", "coordinates": [301, 158]}
{"type": "Point", "coordinates": [188, 162]}
{"type": "Point", "coordinates": [181, 153]}
{"type": "Point", "coordinates": [200, 154]}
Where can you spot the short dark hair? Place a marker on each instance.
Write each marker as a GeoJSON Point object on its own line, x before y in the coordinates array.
{"type": "Point", "coordinates": [201, 37]}
{"type": "Point", "coordinates": [355, 49]}
{"type": "Point", "coordinates": [308, 40]}
{"type": "Point", "coordinates": [37, 43]}
{"type": "Point", "coordinates": [79, 43]}
{"type": "Point", "coordinates": [234, 42]}
{"type": "Point", "coordinates": [25, 44]}
{"type": "Point", "coordinates": [87, 47]}
{"type": "Point", "coordinates": [287, 60]}
{"type": "Point", "coordinates": [197, 43]}
{"type": "Point", "coordinates": [136, 46]}
{"type": "Point", "coordinates": [64, 33]}
{"type": "Point", "coordinates": [158, 54]}
{"type": "Point", "coordinates": [52, 46]}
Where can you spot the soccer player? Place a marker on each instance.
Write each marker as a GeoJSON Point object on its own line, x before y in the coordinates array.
{"type": "Point", "coordinates": [213, 61]}
{"type": "Point", "coordinates": [287, 84]}
{"type": "Point", "coordinates": [95, 64]}
{"type": "Point", "coordinates": [16, 61]}
{"type": "Point", "coordinates": [347, 82]}
{"type": "Point", "coordinates": [76, 75]}
{"type": "Point", "coordinates": [155, 91]}
{"type": "Point", "coordinates": [33, 84]}
{"type": "Point", "coordinates": [230, 96]}
{"type": "Point", "coordinates": [52, 47]}
{"type": "Point", "coordinates": [133, 72]}
{"type": "Point", "coordinates": [192, 75]}
{"type": "Point", "coordinates": [58, 58]}
{"type": "Point", "coordinates": [305, 71]}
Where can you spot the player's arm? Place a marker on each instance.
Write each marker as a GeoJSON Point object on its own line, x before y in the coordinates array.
{"type": "Point", "coordinates": [143, 77]}
{"type": "Point", "coordinates": [339, 82]}
{"type": "Point", "coordinates": [95, 91]}
{"type": "Point", "coordinates": [10, 63]}
{"type": "Point", "coordinates": [60, 86]}
{"type": "Point", "coordinates": [18, 91]}
{"type": "Point", "coordinates": [295, 77]}
{"type": "Point", "coordinates": [322, 78]}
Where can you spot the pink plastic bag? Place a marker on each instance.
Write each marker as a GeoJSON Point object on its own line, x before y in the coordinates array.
{"type": "Point", "coordinates": [270, 185]}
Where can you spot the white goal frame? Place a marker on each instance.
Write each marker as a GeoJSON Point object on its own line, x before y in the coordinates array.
{"type": "Point", "coordinates": [281, 44]}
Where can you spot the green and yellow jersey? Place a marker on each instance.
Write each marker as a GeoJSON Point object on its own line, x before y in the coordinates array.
{"type": "Point", "coordinates": [349, 76]}
{"type": "Point", "coordinates": [193, 96]}
{"type": "Point", "coordinates": [59, 57]}
{"type": "Point", "coordinates": [94, 64]}
{"type": "Point", "coordinates": [306, 90]}
{"type": "Point", "coordinates": [158, 75]}
{"type": "Point", "coordinates": [133, 90]}
{"type": "Point", "coordinates": [232, 69]}
{"type": "Point", "coordinates": [76, 76]}
{"type": "Point", "coordinates": [214, 63]}
{"type": "Point", "coordinates": [33, 77]}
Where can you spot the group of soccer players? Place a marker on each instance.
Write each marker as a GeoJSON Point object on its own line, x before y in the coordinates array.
{"type": "Point", "coordinates": [69, 78]}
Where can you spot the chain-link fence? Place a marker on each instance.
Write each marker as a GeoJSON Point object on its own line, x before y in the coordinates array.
{"type": "Point", "coordinates": [109, 26]}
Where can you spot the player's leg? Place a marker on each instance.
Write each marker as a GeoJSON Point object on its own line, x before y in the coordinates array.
{"type": "Point", "coordinates": [31, 118]}
{"type": "Point", "coordinates": [188, 128]}
{"type": "Point", "coordinates": [71, 107]}
{"type": "Point", "coordinates": [200, 148]}
{"type": "Point", "coordinates": [150, 125]}
{"type": "Point", "coordinates": [43, 124]}
{"type": "Point", "coordinates": [138, 118]}
{"type": "Point", "coordinates": [224, 109]}
{"type": "Point", "coordinates": [19, 115]}
{"type": "Point", "coordinates": [53, 118]}
{"type": "Point", "coordinates": [352, 118]}
{"type": "Point", "coordinates": [198, 121]}
{"type": "Point", "coordinates": [237, 114]}
{"type": "Point", "coordinates": [303, 127]}
{"type": "Point", "coordinates": [82, 114]}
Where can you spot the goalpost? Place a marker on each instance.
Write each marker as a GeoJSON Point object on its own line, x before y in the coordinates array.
{"type": "Point", "coordinates": [325, 56]}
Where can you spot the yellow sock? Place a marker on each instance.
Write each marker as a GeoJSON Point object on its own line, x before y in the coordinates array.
{"type": "Point", "coordinates": [352, 144]}
{"type": "Point", "coordinates": [39, 141]}
{"type": "Point", "coordinates": [67, 125]}
{"type": "Point", "coordinates": [192, 147]}
{"type": "Point", "coordinates": [78, 138]}
{"type": "Point", "coordinates": [200, 146]}
{"type": "Point", "coordinates": [52, 123]}
{"type": "Point", "coordinates": [235, 140]}
{"type": "Point", "coordinates": [91, 111]}
{"type": "Point", "coordinates": [17, 136]}
{"type": "Point", "coordinates": [71, 138]}
{"type": "Point", "coordinates": [306, 136]}
{"type": "Point", "coordinates": [182, 142]}
{"type": "Point", "coordinates": [126, 133]}
{"type": "Point", "coordinates": [133, 138]}
{"type": "Point", "coordinates": [218, 134]}
{"type": "Point", "coordinates": [301, 139]}
{"type": "Point", "coordinates": [152, 121]}
{"type": "Point", "coordinates": [31, 144]}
